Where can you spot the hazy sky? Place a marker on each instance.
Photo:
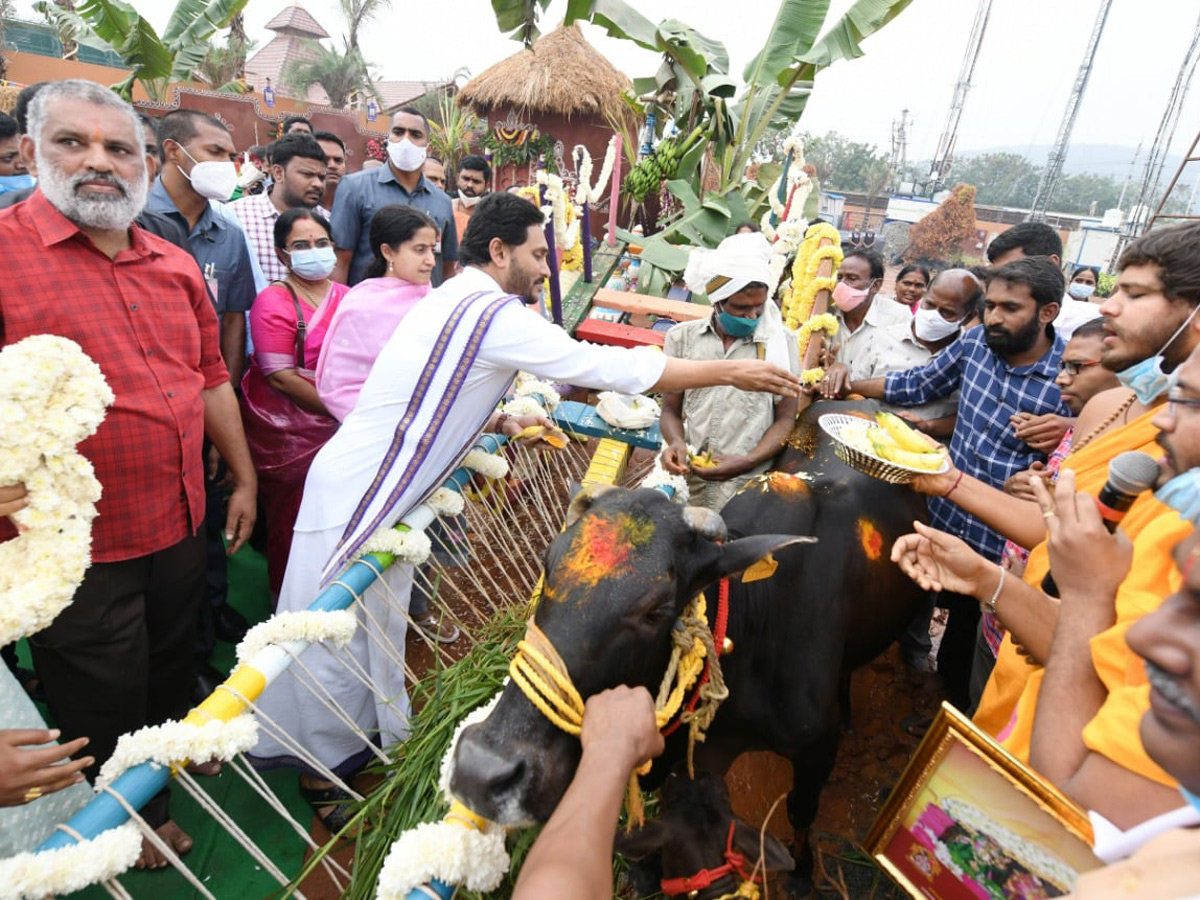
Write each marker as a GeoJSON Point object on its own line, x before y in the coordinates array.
{"type": "Point", "coordinates": [1029, 60]}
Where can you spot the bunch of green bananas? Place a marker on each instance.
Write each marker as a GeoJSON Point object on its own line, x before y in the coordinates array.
{"type": "Point", "coordinates": [663, 163]}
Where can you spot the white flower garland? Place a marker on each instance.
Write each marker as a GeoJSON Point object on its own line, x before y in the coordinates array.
{"type": "Point", "coordinates": [34, 876]}
{"type": "Point", "coordinates": [565, 233]}
{"type": "Point", "coordinates": [445, 502]}
{"type": "Point", "coordinates": [173, 742]}
{"type": "Point", "coordinates": [448, 851]}
{"type": "Point", "coordinates": [588, 192]}
{"type": "Point", "coordinates": [52, 396]}
{"type": "Point", "coordinates": [486, 464]}
{"type": "Point", "coordinates": [407, 546]}
{"type": "Point", "coordinates": [522, 406]}
{"type": "Point", "coordinates": [528, 386]}
{"type": "Point", "coordinates": [334, 627]}
{"type": "Point", "coordinates": [451, 853]}
{"type": "Point", "coordinates": [660, 477]}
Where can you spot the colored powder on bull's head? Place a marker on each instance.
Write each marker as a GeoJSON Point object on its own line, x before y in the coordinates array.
{"type": "Point", "coordinates": [789, 486]}
{"type": "Point", "coordinates": [870, 539]}
{"type": "Point", "coordinates": [602, 549]}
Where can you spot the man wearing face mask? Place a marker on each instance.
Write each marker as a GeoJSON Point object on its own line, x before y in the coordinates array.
{"type": "Point", "coordinates": [949, 305]}
{"type": "Point", "coordinates": [861, 320]}
{"type": "Point", "coordinates": [400, 182]}
{"type": "Point", "coordinates": [13, 174]}
{"type": "Point", "coordinates": [197, 153]}
{"type": "Point", "coordinates": [739, 431]}
{"type": "Point", "coordinates": [474, 176]}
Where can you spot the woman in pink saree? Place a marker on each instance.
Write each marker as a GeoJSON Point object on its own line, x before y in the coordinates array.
{"type": "Point", "coordinates": [286, 423]}
{"type": "Point", "coordinates": [403, 240]}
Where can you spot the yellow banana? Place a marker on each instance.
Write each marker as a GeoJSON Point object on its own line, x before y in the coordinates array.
{"type": "Point", "coordinates": [905, 436]}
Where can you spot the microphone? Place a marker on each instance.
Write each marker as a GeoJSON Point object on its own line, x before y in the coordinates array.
{"type": "Point", "coordinates": [1129, 475]}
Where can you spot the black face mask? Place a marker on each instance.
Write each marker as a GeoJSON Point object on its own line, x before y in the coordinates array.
{"type": "Point", "coordinates": [1010, 343]}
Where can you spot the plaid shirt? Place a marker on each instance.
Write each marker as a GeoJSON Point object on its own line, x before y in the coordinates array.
{"type": "Point", "coordinates": [146, 320]}
{"type": "Point", "coordinates": [258, 214]}
{"type": "Point", "coordinates": [984, 445]}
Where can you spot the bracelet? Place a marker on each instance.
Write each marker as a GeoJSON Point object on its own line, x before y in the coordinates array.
{"type": "Point", "coordinates": [990, 605]}
{"type": "Point", "coordinates": [954, 486]}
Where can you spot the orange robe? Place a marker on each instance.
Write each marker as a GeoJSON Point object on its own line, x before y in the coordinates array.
{"type": "Point", "coordinates": [1009, 702]}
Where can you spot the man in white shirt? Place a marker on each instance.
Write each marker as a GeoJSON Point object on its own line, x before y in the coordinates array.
{"type": "Point", "coordinates": [432, 390]}
{"type": "Point", "coordinates": [862, 320]}
{"type": "Point", "coordinates": [1040, 239]}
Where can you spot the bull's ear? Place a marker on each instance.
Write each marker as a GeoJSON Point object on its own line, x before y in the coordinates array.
{"type": "Point", "coordinates": [718, 560]}
{"type": "Point", "coordinates": [583, 500]}
{"type": "Point", "coordinates": [641, 842]}
{"type": "Point", "coordinates": [774, 854]}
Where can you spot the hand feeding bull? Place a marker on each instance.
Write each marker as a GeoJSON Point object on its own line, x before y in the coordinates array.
{"type": "Point", "coordinates": [619, 577]}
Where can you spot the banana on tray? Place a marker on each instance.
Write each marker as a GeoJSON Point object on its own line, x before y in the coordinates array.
{"type": "Point", "coordinates": [894, 440]}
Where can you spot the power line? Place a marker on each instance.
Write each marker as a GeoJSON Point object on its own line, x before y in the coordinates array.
{"type": "Point", "coordinates": [1058, 152]}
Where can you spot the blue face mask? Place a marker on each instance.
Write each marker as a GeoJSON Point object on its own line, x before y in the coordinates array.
{"type": "Point", "coordinates": [1190, 798]}
{"type": "Point", "coordinates": [10, 183]}
{"type": "Point", "coordinates": [1182, 493]}
{"type": "Point", "coordinates": [1146, 378]}
{"type": "Point", "coordinates": [736, 326]}
{"type": "Point", "coordinates": [315, 263]}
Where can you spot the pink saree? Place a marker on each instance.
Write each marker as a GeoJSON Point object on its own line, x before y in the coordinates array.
{"type": "Point", "coordinates": [363, 323]}
{"type": "Point", "coordinates": [283, 438]}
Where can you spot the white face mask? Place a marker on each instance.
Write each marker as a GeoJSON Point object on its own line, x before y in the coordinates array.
{"type": "Point", "coordinates": [405, 155]}
{"type": "Point", "coordinates": [211, 180]}
{"type": "Point", "coordinates": [929, 325]}
{"type": "Point", "coordinates": [467, 201]}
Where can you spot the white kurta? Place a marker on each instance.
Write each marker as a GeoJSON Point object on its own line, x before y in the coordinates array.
{"type": "Point", "coordinates": [340, 483]}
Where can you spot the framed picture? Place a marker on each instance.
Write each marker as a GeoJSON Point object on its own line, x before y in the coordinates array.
{"type": "Point", "coordinates": [968, 821]}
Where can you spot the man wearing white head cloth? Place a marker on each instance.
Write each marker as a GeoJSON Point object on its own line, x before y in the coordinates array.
{"type": "Point", "coordinates": [736, 434]}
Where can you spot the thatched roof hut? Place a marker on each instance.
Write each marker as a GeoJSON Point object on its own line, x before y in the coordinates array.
{"type": "Point", "coordinates": [561, 75]}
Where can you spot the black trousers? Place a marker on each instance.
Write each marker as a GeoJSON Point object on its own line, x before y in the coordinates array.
{"type": "Point", "coordinates": [121, 655]}
{"type": "Point", "coordinates": [956, 655]}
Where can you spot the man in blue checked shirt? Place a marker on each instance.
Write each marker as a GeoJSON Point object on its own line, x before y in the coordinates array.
{"type": "Point", "coordinates": [1007, 367]}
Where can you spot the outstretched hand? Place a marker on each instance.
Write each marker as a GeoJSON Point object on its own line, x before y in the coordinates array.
{"type": "Point", "coordinates": [13, 498]}
{"type": "Point", "coordinates": [27, 773]}
{"type": "Point", "coordinates": [938, 561]}
{"type": "Point", "coordinates": [757, 375]}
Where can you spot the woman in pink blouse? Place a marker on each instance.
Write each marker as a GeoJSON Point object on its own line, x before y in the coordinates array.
{"type": "Point", "coordinates": [286, 422]}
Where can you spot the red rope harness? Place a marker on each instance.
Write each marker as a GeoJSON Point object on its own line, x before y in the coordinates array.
{"type": "Point", "coordinates": [735, 863]}
{"type": "Point", "coordinates": [719, 626]}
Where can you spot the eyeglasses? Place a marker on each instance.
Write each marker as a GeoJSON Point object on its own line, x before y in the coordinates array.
{"type": "Point", "coordinates": [322, 244]}
{"type": "Point", "coordinates": [1174, 401]}
{"type": "Point", "coordinates": [1074, 366]}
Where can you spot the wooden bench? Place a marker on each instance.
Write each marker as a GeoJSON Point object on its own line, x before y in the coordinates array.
{"type": "Point", "coordinates": [600, 332]}
{"type": "Point", "coordinates": [643, 304]}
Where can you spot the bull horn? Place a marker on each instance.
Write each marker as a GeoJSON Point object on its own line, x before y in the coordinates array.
{"type": "Point", "coordinates": [583, 501]}
{"type": "Point", "coordinates": [705, 522]}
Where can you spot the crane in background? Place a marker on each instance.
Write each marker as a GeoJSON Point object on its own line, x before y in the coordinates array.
{"type": "Point", "coordinates": [1058, 152]}
{"type": "Point", "coordinates": [943, 159]}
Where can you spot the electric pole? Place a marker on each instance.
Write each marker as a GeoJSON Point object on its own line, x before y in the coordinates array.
{"type": "Point", "coordinates": [943, 159]}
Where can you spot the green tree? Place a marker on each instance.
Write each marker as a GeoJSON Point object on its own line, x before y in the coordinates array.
{"type": "Point", "coordinates": [156, 62]}
{"type": "Point", "coordinates": [1003, 179]}
{"type": "Point", "coordinates": [452, 128]}
{"type": "Point", "coordinates": [224, 68]}
{"type": "Point", "coordinates": [342, 74]}
{"type": "Point", "coordinates": [358, 13]}
{"type": "Point", "coordinates": [939, 236]}
{"type": "Point", "coordinates": [846, 165]}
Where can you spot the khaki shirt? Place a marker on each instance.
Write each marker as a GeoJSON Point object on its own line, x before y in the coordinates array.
{"type": "Point", "coordinates": [723, 419]}
{"type": "Point", "coordinates": [855, 348]}
{"type": "Point", "coordinates": [894, 349]}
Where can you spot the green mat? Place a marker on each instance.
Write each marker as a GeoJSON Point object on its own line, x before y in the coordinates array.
{"type": "Point", "coordinates": [220, 863]}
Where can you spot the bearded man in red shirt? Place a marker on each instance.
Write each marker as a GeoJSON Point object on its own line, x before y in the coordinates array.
{"type": "Point", "coordinates": [121, 655]}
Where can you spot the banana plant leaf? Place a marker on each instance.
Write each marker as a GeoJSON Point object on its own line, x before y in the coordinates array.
{"type": "Point", "coordinates": [193, 22]}
{"type": "Point", "coordinates": [518, 18]}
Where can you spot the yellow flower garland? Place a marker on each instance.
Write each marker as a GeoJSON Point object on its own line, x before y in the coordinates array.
{"type": "Point", "coordinates": [799, 298]}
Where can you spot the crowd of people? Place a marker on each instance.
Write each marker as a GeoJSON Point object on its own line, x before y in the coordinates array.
{"type": "Point", "coordinates": [371, 324]}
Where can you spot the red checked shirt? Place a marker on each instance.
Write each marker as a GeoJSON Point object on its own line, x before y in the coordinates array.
{"type": "Point", "coordinates": [146, 320]}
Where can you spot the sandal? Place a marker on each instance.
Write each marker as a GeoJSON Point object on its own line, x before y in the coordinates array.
{"type": "Point", "coordinates": [336, 819]}
{"type": "Point", "coordinates": [444, 632]}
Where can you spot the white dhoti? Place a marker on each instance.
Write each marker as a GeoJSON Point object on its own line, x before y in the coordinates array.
{"type": "Point", "coordinates": [432, 388]}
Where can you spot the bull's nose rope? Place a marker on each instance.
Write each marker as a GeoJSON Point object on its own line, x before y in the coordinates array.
{"type": "Point", "coordinates": [542, 676]}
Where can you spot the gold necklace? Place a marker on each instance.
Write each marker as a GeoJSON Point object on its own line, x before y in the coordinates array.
{"type": "Point", "coordinates": [314, 302]}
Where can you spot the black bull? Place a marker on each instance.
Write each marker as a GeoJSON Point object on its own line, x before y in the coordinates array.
{"type": "Point", "coordinates": [618, 577]}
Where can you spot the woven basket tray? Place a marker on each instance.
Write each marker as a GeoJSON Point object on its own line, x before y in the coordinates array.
{"type": "Point", "coordinates": [833, 423]}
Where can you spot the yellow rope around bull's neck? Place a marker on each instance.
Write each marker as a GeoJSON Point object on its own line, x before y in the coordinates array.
{"type": "Point", "coordinates": [542, 676]}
